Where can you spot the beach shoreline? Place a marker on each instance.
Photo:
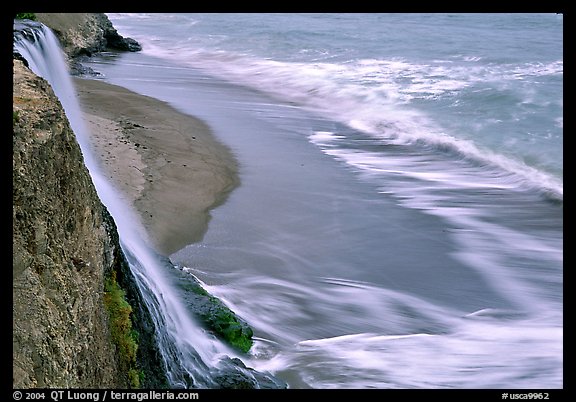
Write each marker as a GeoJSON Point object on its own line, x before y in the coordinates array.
{"type": "Point", "coordinates": [167, 165]}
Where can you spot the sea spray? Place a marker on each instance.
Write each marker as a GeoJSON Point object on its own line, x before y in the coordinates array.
{"type": "Point", "coordinates": [188, 352]}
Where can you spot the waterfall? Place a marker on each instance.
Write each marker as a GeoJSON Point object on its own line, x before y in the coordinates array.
{"type": "Point", "coordinates": [190, 354]}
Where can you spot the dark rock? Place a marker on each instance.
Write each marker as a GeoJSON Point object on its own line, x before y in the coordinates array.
{"type": "Point", "coordinates": [17, 56]}
{"type": "Point", "coordinates": [78, 69]}
{"type": "Point", "coordinates": [113, 40]}
{"type": "Point", "coordinates": [234, 374]}
{"type": "Point", "coordinates": [120, 43]}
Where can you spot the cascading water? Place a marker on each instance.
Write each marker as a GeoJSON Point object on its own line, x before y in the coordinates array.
{"type": "Point", "coordinates": [189, 353]}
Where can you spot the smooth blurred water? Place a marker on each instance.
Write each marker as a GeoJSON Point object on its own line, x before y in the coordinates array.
{"type": "Point", "coordinates": [400, 218]}
{"type": "Point", "coordinates": [486, 86]}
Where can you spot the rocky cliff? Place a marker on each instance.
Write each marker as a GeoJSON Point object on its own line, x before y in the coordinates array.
{"type": "Point", "coordinates": [72, 287]}
{"type": "Point", "coordinates": [62, 250]}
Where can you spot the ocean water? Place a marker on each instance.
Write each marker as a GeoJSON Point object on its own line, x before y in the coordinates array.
{"type": "Point", "coordinates": [400, 218]}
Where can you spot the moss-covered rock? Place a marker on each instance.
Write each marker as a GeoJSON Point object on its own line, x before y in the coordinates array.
{"type": "Point", "coordinates": [215, 315]}
{"type": "Point", "coordinates": [125, 338]}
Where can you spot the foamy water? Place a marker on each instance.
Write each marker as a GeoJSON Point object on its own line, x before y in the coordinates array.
{"type": "Point", "coordinates": [399, 222]}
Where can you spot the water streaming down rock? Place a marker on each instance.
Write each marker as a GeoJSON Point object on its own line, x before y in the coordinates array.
{"type": "Point", "coordinates": [192, 358]}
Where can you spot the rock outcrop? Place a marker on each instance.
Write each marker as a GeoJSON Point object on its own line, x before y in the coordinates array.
{"type": "Point", "coordinates": [86, 33]}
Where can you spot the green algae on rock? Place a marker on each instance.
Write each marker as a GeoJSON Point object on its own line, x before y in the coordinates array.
{"type": "Point", "coordinates": [213, 313]}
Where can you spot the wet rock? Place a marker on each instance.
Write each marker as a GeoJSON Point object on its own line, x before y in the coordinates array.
{"type": "Point", "coordinates": [233, 374]}
{"type": "Point", "coordinates": [230, 373]}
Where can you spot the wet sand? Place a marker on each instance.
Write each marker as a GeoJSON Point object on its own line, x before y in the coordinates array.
{"type": "Point", "coordinates": [167, 165]}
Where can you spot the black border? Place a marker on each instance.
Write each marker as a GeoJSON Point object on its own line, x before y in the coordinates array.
{"type": "Point", "coordinates": [374, 6]}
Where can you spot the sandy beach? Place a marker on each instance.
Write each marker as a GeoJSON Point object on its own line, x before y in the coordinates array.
{"type": "Point", "coordinates": [167, 164]}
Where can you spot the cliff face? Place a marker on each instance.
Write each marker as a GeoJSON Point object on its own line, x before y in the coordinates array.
{"type": "Point", "coordinates": [86, 33]}
{"type": "Point", "coordinates": [62, 250]}
{"type": "Point", "coordinates": [65, 252]}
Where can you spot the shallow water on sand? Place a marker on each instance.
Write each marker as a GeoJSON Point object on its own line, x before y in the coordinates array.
{"type": "Point", "coordinates": [395, 267]}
